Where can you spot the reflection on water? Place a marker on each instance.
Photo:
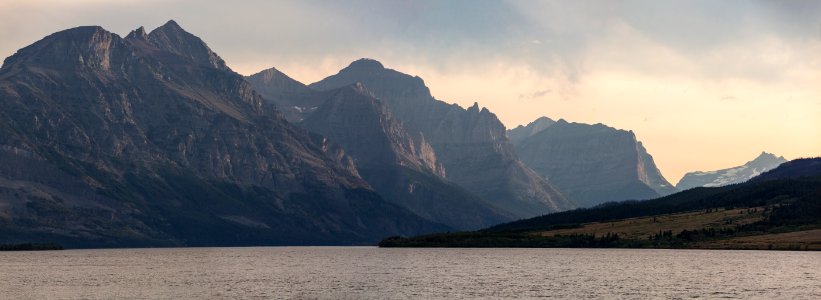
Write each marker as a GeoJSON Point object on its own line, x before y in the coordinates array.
{"type": "Point", "coordinates": [373, 273]}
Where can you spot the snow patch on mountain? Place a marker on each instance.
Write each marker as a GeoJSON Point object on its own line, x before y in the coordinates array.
{"type": "Point", "coordinates": [761, 164]}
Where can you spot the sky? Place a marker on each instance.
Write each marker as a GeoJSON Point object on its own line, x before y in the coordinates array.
{"type": "Point", "coordinates": [704, 85]}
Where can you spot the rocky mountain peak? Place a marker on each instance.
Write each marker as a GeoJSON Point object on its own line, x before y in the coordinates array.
{"type": "Point", "coordinates": [172, 38]}
{"type": "Point", "coordinates": [171, 25]}
{"type": "Point", "coordinates": [387, 84]}
{"type": "Point", "coordinates": [474, 107]}
{"type": "Point", "coordinates": [522, 132]}
{"type": "Point", "coordinates": [85, 46]}
{"type": "Point", "coordinates": [268, 75]}
{"type": "Point", "coordinates": [293, 98]}
{"type": "Point", "coordinates": [762, 163]}
{"type": "Point", "coordinates": [542, 122]}
{"type": "Point", "coordinates": [767, 158]}
{"type": "Point", "coordinates": [137, 34]}
{"type": "Point", "coordinates": [273, 78]}
{"type": "Point", "coordinates": [365, 65]}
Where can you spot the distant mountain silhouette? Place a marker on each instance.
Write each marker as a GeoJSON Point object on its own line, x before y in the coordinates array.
{"type": "Point", "coordinates": [760, 164]}
{"type": "Point", "coordinates": [152, 140]}
{"type": "Point", "coordinates": [520, 133]}
{"type": "Point", "coordinates": [291, 97]}
{"type": "Point", "coordinates": [471, 143]}
{"type": "Point", "coordinates": [591, 164]}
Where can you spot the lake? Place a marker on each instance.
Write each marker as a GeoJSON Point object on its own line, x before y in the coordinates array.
{"type": "Point", "coordinates": [374, 273]}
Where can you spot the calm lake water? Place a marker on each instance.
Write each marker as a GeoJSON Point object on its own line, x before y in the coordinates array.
{"type": "Point", "coordinates": [373, 273]}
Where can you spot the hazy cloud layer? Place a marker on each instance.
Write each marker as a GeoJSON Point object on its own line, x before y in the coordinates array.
{"type": "Point", "coordinates": [705, 84]}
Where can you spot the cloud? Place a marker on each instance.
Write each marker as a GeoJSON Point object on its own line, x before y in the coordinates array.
{"type": "Point", "coordinates": [534, 95]}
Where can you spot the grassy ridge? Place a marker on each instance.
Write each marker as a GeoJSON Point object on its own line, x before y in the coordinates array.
{"type": "Point", "coordinates": [777, 214]}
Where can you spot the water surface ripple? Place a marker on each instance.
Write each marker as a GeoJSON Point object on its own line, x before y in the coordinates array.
{"type": "Point", "coordinates": [373, 273]}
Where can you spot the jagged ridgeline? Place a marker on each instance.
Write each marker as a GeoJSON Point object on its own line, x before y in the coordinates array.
{"type": "Point", "coordinates": [591, 164]}
{"type": "Point", "coordinates": [401, 166]}
{"type": "Point", "coordinates": [389, 121]}
{"type": "Point", "coordinates": [471, 143]}
{"type": "Point", "coordinates": [396, 160]}
{"type": "Point", "coordinates": [152, 140]}
{"type": "Point", "coordinates": [763, 163]}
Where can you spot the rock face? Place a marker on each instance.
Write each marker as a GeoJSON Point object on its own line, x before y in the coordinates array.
{"type": "Point", "coordinates": [353, 117]}
{"type": "Point", "coordinates": [471, 143]}
{"type": "Point", "coordinates": [152, 140]}
{"type": "Point", "coordinates": [520, 133]}
{"type": "Point", "coordinates": [592, 164]}
{"type": "Point", "coordinates": [403, 168]}
{"type": "Point", "coordinates": [753, 168]}
{"type": "Point", "coordinates": [294, 99]}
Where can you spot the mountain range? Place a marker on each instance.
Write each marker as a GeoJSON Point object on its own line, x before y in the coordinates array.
{"type": "Point", "coordinates": [401, 166]}
{"type": "Point", "coordinates": [591, 164]}
{"type": "Point", "coordinates": [462, 139]}
{"type": "Point", "coordinates": [763, 163]}
{"type": "Point", "coordinates": [470, 143]}
{"type": "Point", "coordinates": [152, 140]}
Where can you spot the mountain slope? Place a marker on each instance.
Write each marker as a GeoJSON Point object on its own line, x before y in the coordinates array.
{"type": "Point", "coordinates": [293, 98]}
{"type": "Point", "coordinates": [591, 164]}
{"type": "Point", "coordinates": [520, 133]}
{"type": "Point", "coordinates": [775, 213]}
{"type": "Point", "coordinates": [760, 164]}
{"type": "Point", "coordinates": [471, 143]}
{"type": "Point", "coordinates": [401, 167]}
{"type": "Point", "coordinates": [152, 140]}
{"type": "Point", "coordinates": [802, 167]}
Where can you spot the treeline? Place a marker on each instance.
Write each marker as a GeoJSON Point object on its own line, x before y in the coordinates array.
{"type": "Point", "coordinates": [30, 247]}
{"type": "Point", "coordinates": [787, 204]}
{"type": "Point", "coordinates": [799, 199]}
{"type": "Point", "coordinates": [507, 240]}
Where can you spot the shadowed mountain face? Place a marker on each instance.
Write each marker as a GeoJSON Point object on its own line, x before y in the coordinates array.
{"type": "Point", "coordinates": [520, 133]}
{"type": "Point", "coordinates": [797, 168]}
{"type": "Point", "coordinates": [591, 164]}
{"type": "Point", "coordinates": [401, 167]}
{"type": "Point", "coordinates": [294, 99]}
{"type": "Point", "coordinates": [471, 143]}
{"type": "Point", "coordinates": [369, 133]}
{"type": "Point", "coordinates": [171, 38]}
{"type": "Point", "coordinates": [760, 164]}
{"type": "Point", "coordinates": [152, 140]}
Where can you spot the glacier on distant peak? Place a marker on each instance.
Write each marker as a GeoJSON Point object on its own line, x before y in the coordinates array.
{"type": "Point", "coordinates": [763, 163]}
